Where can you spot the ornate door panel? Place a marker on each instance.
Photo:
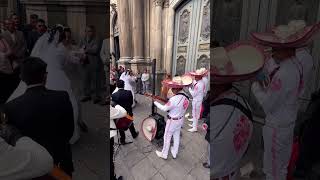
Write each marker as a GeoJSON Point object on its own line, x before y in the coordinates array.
{"type": "Point", "coordinates": [192, 36]}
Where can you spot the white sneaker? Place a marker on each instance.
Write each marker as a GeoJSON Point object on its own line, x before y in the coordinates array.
{"type": "Point", "coordinates": [173, 155]}
{"type": "Point", "coordinates": [159, 154]}
{"type": "Point", "coordinates": [191, 119]}
{"type": "Point", "coordinates": [190, 125]}
{"type": "Point", "coordinates": [193, 130]}
{"type": "Point", "coordinates": [187, 115]}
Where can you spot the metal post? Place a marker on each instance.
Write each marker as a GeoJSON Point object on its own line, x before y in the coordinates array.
{"type": "Point", "coordinates": [154, 63]}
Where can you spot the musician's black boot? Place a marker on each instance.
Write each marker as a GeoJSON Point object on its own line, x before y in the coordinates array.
{"type": "Point", "coordinates": [120, 178]}
{"type": "Point", "coordinates": [136, 135]}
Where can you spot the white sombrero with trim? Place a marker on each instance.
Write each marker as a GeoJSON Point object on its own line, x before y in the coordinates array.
{"type": "Point", "coordinates": [237, 62]}
{"type": "Point", "coordinates": [294, 35]}
{"type": "Point", "coordinates": [149, 128]}
{"type": "Point", "coordinates": [199, 72]}
{"type": "Point", "coordinates": [116, 113]}
{"type": "Point", "coordinates": [178, 81]}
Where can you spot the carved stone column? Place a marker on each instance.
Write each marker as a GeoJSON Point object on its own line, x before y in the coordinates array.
{"type": "Point", "coordinates": [158, 32]}
{"type": "Point", "coordinates": [138, 30]}
{"type": "Point", "coordinates": [125, 34]}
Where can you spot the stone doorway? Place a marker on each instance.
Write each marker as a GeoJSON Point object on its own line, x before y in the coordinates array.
{"type": "Point", "coordinates": [192, 36]}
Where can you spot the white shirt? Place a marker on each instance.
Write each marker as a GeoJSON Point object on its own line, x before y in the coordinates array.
{"type": "Point", "coordinates": [26, 160]}
{"type": "Point", "coordinates": [279, 99]}
{"type": "Point", "coordinates": [145, 77]}
{"type": "Point", "coordinates": [198, 91]}
{"type": "Point", "coordinates": [177, 106]}
{"type": "Point", "coordinates": [231, 144]}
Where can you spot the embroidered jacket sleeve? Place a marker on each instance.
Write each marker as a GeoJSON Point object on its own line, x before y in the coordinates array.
{"type": "Point", "coordinates": [276, 93]}
{"type": "Point", "coordinates": [167, 107]}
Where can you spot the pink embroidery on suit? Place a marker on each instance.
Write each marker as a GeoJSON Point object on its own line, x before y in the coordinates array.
{"type": "Point", "coordinates": [185, 104]}
{"type": "Point", "coordinates": [241, 133]}
{"type": "Point", "coordinates": [276, 84]}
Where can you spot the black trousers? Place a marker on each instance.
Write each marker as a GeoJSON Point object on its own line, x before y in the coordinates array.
{"type": "Point", "coordinates": [123, 135]}
{"type": "Point", "coordinates": [309, 147]}
{"type": "Point", "coordinates": [9, 83]}
{"type": "Point", "coordinates": [112, 174]}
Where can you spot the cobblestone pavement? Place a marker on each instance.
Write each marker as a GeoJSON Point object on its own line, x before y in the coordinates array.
{"type": "Point", "coordinates": [138, 161]}
{"type": "Point", "coordinates": [90, 153]}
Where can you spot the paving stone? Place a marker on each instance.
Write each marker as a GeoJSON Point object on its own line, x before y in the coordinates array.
{"type": "Point", "coordinates": [156, 161]}
{"type": "Point", "coordinates": [158, 176]}
{"type": "Point", "coordinates": [143, 170]}
{"type": "Point", "coordinates": [133, 158]}
{"type": "Point", "coordinates": [200, 172]}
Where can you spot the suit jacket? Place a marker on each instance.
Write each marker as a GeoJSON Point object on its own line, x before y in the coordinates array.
{"type": "Point", "coordinates": [32, 38]}
{"type": "Point", "coordinates": [124, 99]}
{"type": "Point", "coordinates": [18, 46]}
{"type": "Point", "coordinates": [46, 116]}
{"type": "Point", "coordinates": [92, 48]}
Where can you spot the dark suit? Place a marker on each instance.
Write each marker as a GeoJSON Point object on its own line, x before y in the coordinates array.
{"type": "Point", "coordinates": [124, 99]}
{"type": "Point", "coordinates": [46, 116]}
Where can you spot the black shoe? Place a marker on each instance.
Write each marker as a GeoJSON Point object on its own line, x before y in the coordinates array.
{"type": "Point", "coordinates": [137, 134]}
{"type": "Point", "coordinates": [120, 178]}
{"type": "Point", "coordinates": [86, 99]}
{"type": "Point", "coordinates": [206, 165]}
{"type": "Point", "coordinates": [83, 127]}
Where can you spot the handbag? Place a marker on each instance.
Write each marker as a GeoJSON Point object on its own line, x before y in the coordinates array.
{"type": "Point", "coordinates": [124, 123]}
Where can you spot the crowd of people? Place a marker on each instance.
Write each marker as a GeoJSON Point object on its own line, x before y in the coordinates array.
{"type": "Point", "coordinates": [46, 76]}
{"type": "Point", "coordinates": [278, 79]}
{"type": "Point", "coordinates": [174, 92]}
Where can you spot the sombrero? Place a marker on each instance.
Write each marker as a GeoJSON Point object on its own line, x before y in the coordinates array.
{"type": "Point", "coordinates": [115, 113]}
{"type": "Point", "coordinates": [199, 72]}
{"type": "Point", "coordinates": [237, 62]}
{"type": "Point", "coordinates": [178, 81]}
{"type": "Point", "coordinates": [149, 128]}
{"type": "Point", "coordinates": [296, 34]}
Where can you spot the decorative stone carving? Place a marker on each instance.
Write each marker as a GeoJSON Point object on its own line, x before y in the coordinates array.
{"type": "Point", "coordinates": [205, 27]}
{"type": "Point", "coordinates": [203, 62]}
{"type": "Point", "coordinates": [166, 4]}
{"type": "Point", "coordinates": [158, 3]}
{"type": "Point", "coordinates": [116, 27]}
{"type": "Point", "coordinates": [184, 26]}
{"type": "Point", "coordinates": [181, 65]}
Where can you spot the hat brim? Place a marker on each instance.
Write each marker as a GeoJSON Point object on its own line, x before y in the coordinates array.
{"type": "Point", "coordinates": [297, 40]}
{"type": "Point", "coordinates": [186, 81]}
{"type": "Point", "coordinates": [247, 59]}
{"type": "Point", "coordinates": [149, 122]}
{"type": "Point", "coordinates": [198, 75]}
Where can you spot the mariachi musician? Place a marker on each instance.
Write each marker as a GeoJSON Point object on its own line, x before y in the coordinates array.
{"type": "Point", "coordinates": [176, 108]}
{"type": "Point", "coordinates": [197, 92]}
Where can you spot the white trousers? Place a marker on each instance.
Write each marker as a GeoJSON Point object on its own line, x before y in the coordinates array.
{"type": "Point", "coordinates": [196, 110]}
{"type": "Point", "coordinates": [173, 128]}
{"type": "Point", "coordinates": [277, 151]}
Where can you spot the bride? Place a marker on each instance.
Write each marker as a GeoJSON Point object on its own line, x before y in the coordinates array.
{"type": "Point", "coordinates": [51, 49]}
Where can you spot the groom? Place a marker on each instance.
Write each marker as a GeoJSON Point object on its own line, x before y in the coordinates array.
{"type": "Point", "coordinates": [44, 115]}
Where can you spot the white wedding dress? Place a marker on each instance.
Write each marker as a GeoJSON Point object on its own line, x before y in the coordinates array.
{"type": "Point", "coordinates": [55, 55]}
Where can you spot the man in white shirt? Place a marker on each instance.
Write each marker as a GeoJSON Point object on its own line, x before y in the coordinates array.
{"type": "Point", "coordinates": [197, 92]}
{"type": "Point", "coordinates": [145, 78]}
{"type": "Point", "coordinates": [279, 95]}
{"type": "Point", "coordinates": [176, 108]}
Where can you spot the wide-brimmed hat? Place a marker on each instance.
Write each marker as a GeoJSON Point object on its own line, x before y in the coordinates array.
{"type": "Point", "coordinates": [199, 72]}
{"type": "Point", "coordinates": [149, 128]}
{"type": "Point", "coordinates": [237, 62]}
{"type": "Point", "coordinates": [294, 35]}
{"type": "Point", "coordinates": [115, 113]}
{"type": "Point", "coordinates": [178, 81]}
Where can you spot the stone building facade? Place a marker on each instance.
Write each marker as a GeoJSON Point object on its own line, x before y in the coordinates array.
{"type": "Point", "coordinates": [75, 14]}
{"type": "Point", "coordinates": [174, 32]}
